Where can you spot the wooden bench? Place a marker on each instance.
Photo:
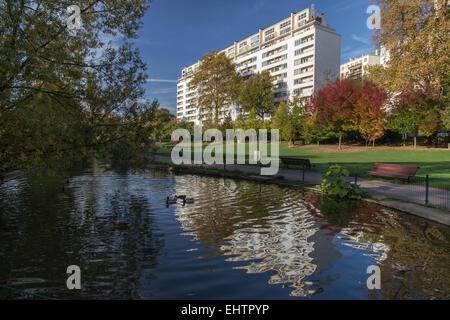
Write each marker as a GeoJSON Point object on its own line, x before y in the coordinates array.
{"type": "Point", "coordinates": [296, 161]}
{"type": "Point", "coordinates": [392, 171]}
{"type": "Point", "coordinates": [298, 143]}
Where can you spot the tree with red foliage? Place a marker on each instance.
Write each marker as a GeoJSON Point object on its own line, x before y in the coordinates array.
{"type": "Point", "coordinates": [369, 115]}
{"type": "Point", "coordinates": [334, 106]}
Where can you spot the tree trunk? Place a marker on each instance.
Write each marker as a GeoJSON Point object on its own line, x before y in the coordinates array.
{"type": "Point", "coordinates": [340, 141]}
{"type": "Point", "coordinates": [373, 142]}
{"type": "Point", "coordinates": [415, 142]}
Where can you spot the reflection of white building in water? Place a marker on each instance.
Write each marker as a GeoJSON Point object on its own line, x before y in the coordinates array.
{"type": "Point", "coordinates": [281, 246]}
{"type": "Point", "coordinates": [287, 240]}
{"type": "Point", "coordinates": [278, 244]}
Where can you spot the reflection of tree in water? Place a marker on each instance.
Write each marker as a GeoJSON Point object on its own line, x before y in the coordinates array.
{"type": "Point", "coordinates": [270, 228]}
{"type": "Point", "coordinates": [413, 254]}
{"type": "Point", "coordinates": [418, 262]}
{"type": "Point", "coordinates": [50, 229]}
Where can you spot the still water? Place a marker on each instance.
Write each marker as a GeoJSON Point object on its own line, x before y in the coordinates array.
{"type": "Point", "coordinates": [238, 240]}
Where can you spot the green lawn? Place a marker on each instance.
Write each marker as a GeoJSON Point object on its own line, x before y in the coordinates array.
{"type": "Point", "coordinates": [434, 162]}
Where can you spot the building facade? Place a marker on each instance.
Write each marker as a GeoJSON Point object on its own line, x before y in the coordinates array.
{"type": "Point", "coordinates": [301, 53]}
{"type": "Point", "coordinates": [357, 68]}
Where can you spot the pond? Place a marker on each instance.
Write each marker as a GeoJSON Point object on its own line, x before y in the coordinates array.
{"type": "Point", "coordinates": [238, 240]}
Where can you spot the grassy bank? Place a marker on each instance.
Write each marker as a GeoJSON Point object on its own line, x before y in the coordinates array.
{"type": "Point", "coordinates": [434, 162]}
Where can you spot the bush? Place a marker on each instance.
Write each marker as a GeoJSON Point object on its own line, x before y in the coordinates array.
{"type": "Point", "coordinates": [334, 184]}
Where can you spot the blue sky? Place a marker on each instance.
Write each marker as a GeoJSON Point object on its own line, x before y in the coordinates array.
{"type": "Point", "coordinates": [176, 33]}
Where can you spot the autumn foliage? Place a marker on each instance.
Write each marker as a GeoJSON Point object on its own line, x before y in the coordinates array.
{"type": "Point", "coordinates": [346, 105]}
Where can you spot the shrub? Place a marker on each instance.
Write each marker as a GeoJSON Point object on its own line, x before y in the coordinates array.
{"type": "Point", "coordinates": [334, 184]}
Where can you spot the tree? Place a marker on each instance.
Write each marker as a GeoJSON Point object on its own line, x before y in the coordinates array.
{"type": "Point", "coordinates": [414, 111]}
{"type": "Point", "coordinates": [333, 107]}
{"type": "Point", "coordinates": [252, 121]}
{"type": "Point", "coordinates": [257, 93]}
{"type": "Point", "coordinates": [415, 34]}
{"type": "Point", "coordinates": [217, 84]}
{"type": "Point", "coordinates": [298, 113]}
{"type": "Point", "coordinates": [239, 123]}
{"type": "Point", "coordinates": [226, 124]}
{"type": "Point", "coordinates": [369, 115]}
{"type": "Point", "coordinates": [78, 93]}
{"type": "Point", "coordinates": [282, 121]}
{"type": "Point", "coordinates": [416, 38]}
{"type": "Point", "coordinates": [445, 100]}
{"type": "Point", "coordinates": [161, 118]}
{"type": "Point", "coordinates": [445, 114]}
{"type": "Point", "coordinates": [312, 130]}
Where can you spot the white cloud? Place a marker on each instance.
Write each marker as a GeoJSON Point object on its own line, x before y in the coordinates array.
{"type": "Point", "coordinates": [170, 90]}
{"type": "Point", "coordinates": [162, 80]}
{"type": "Point", "coordinates": [361, 39]}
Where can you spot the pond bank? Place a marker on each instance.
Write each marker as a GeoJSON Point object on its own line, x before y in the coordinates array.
{"type": "Point", "coordinates": [429, 213]}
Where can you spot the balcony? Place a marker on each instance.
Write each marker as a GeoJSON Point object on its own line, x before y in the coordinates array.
{"type": "Point", "coordinates": [247, 73]}
{"type": "Point", "coordinates": [270, 37]}
{"type": "Point", "coordinates": [243, 49]}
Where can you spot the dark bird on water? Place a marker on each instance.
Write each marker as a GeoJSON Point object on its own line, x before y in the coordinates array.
{"type": "Point", "coordinates": [120, 226]}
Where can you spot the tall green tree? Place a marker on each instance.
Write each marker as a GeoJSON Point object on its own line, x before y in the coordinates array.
{"type": "Point", "coordinates": [217, 84]}
{"type": "Point", "coordinates": [78, 92]}
{"type": "Point", "coordinates": [257, 93]}
{"type": "Point", "coordinates": [282, 120]}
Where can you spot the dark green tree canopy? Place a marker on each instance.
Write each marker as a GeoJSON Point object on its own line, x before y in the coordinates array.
{"type": "Point", "coordinates": [71, 91]}
{"type": "Point", "coordinates": [257, 93]}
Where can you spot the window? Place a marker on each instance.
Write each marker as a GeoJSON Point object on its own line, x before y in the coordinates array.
{"type": "Point", "coordinates": [285, 24]}
{"type": "Point", "coordinates": [302, 16]}
{"type": "Point", "coordinates": [270, 31]}
{"type": "Point", "coordinates": [270, 37]}
{"type": "Point", "coordinates": [304, 40]}
{"type": "Point", "coordinates": [304, 60]}
{"type": "Point", "coordinates": [255, 41]}
{"type": "Point", "coordinates": [284, 31]}
{"type": "Point", "coordinates": [242, 44]}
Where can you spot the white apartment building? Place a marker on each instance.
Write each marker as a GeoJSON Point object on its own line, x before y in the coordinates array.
{"type": "Point", "coordinates": [301, 53]}
{"type": "Point", "coordinates": [357, 68]}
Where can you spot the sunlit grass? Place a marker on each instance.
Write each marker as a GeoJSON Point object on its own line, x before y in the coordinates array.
{"type": "Point", "coordinates": [434, 162]}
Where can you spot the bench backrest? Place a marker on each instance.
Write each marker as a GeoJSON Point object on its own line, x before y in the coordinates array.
{"type": "Point", "coordinates": [395, 168]}
{"type": "Point", "coordinates": [296, 161]}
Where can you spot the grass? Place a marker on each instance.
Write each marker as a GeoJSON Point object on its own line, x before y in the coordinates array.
{"type": "Point", "coordinates": [434, 162]}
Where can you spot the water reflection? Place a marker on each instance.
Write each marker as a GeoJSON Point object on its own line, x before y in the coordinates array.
{"type": "Point", "coordinates": [299, 236]}
{"type": "Point", "coordinates": [282, 243]}
{"type": "Point", "coordinates": [45, 229]}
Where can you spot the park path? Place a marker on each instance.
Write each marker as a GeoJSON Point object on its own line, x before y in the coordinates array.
{"type": "Point", "coordinates": [406, 192]}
